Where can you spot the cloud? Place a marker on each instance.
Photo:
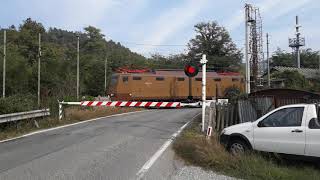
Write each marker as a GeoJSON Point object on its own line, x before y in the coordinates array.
{"type": "Point", "coordinates": [287, 6]}
{"type": "Point", "coordinates": [71, 14]}
{"type": "Point", "coordinates": [269, 8]}
{"type": "Point", "coordinates": [170, 22]}
{"type": "Point", "coordinates": [81, 13]}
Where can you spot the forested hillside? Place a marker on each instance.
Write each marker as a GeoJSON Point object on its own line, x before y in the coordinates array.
{"type": "Point", "coordinates": [58, 60]}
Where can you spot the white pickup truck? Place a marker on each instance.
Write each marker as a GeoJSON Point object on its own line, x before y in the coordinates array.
{"type": "Point", "coordinates": [291, 129]}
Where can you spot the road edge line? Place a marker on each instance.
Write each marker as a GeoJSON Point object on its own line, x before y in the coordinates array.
{"type": "Point", "coordinates": [144, 169]}
{"type": "Point", "coordinates": [68, 125]}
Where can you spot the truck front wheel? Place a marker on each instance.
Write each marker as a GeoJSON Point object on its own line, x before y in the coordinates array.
{"type": "Point", "coordinates": [237, 147]}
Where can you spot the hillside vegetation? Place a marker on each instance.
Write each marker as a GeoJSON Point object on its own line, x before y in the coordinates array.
{"type": "Point", "coordinates": [58, 60]}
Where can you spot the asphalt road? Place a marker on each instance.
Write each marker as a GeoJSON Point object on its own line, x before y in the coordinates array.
{"type": "Point", "coordinates": [110, 148]}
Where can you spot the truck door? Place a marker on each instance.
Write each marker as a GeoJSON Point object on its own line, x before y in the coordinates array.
{"type": "Point", "coordinates": [282, 131]}
{"type": "Point", "coordinates": [313, 133]}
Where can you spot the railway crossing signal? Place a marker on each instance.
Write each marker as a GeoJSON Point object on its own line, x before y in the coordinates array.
{"type": "Point", "coordinates": [191, 70]}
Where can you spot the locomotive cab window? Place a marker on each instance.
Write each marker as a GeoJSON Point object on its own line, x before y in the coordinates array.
{"type": "Point", "coordinates": [198, 79]}
{"type": "Point", "coordinates": [114, 79]}
{"type": "Point", "coordinates": [160, 78]}
{"type": "Point", "coordinates": [180, 79]}
{"type": "Point", "coordinates": [217, 79]}
{"type": "Point", "coordinates": [136, 78]}
{"type": "Point", "coordinates": [125, 79]}
{"type": "Point", "coordinates": [235, 79]}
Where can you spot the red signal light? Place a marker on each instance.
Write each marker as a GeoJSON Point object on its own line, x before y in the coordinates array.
{"type": "Point", "coordinates": [191, 70]}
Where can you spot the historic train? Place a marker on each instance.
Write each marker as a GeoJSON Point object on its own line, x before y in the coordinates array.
{"type": "Point", "coordinates": [169, 85]}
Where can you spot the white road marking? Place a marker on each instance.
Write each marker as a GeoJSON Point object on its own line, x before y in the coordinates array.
{"type": "Point", "coordinates": [156, 155]}
{"type": "Point", "coordinates": [68, 125]}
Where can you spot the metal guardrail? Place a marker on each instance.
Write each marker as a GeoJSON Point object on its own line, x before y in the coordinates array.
{"type": "Point", "coordinates": [24, 115]}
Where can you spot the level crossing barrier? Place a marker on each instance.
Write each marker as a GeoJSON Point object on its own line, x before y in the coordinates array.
{"type": "Point", "coordinates": [139, 104]}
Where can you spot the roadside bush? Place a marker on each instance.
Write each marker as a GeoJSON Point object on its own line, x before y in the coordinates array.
{"type": "Point", "coordinates": [18, 103]}
{"type": "Point", "coordinates": [70, 99]}
{"type": "Point", "coordinates": [88, 98]}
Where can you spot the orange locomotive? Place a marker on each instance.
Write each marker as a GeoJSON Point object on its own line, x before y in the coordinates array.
{"type": "Point", "coordinates": [169, 85]}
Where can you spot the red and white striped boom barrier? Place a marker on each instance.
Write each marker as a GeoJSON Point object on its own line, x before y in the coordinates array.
{"type": "Point", "coordinates": [132, 104]}
{"type": "Point", "coordinates": [144, 104]}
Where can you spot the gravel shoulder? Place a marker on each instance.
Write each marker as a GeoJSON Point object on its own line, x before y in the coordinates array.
{"type": "Point", "coordinates": [170, 167]}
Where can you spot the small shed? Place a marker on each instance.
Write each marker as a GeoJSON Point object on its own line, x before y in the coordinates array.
{"type": "Point", "coordinates": [282, 97]}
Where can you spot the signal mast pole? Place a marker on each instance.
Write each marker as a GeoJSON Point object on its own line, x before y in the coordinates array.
{"type": "Point", "coordinates": [204, 61]}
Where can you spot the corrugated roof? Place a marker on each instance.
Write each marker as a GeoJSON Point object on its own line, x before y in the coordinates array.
{"type": "Point", "coordinates": [306, 72]}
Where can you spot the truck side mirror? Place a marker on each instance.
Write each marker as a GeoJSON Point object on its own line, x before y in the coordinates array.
{"type": "Point", "coordinates": [260, 124]}
{"type": "Point", "coordinates": [314, 123]}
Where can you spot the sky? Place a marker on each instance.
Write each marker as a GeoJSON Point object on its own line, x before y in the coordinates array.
{"type": "Point", "coordinates": [166, 26]}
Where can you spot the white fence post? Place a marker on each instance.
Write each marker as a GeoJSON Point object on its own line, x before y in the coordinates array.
{"type": "Point", "coordinates": [210, 126]}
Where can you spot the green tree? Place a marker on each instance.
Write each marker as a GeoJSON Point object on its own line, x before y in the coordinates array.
{"type": "Point", "coordinates": [293, 80]}
{"type": "Point", "coordinates": [28, 39]}
{"type": "Point", "coordinates": [309, 59]}
{"type": "Point", "coordinates": [282, 58]}
{"type": "Point", "coordinates": [215, 42]}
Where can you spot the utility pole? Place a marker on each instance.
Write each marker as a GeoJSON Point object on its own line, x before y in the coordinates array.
{"type": "Point", "coordinates": [78, 56]}
{"type": "Point", "coordinates": [4, 64]}
{"type": "Point", "coordinates": [39, 61]}
{"type": "Point", "coordinates": [268, 61]}
{"type": "Point", "coordinates": [105, 74]}
{"type": "Point", "coordinates": [247, 49]}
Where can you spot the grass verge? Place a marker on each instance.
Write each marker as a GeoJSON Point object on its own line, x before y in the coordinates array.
{"type": "Point", "coordinates": [73, 115]}
{"type": "Point", "coordinates": [193, 147]}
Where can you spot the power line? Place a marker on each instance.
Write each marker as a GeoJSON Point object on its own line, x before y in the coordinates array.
{"type": "Point", "coordinates": [144, 44]}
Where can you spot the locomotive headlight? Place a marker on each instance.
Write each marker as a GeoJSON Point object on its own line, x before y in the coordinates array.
{"type": "Point", "coordinates": [130, 94]}
{"type": "Point", "coordinates": [111, 95]}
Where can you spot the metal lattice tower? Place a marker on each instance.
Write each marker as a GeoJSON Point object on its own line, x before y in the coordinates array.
{"type": "Point", "coordinates": [297, 42]}
{"type": "Point", "coordinates": [254, 53]}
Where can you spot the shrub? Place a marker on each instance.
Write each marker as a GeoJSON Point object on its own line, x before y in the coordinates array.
{"type": "Point", "coordinates": [18, 103]}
